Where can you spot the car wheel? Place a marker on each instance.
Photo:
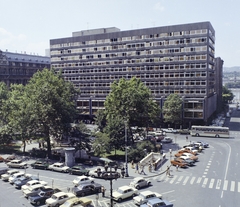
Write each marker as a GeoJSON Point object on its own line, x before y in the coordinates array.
{"type": "Point", "coordinates": [137, 187]}
{"type": "Point", "coordinates": [93, 176]}
{"type": "Point", "coordinates": [70, 173]}
{"type": "Point", "coordinates": [197, 135]}
{"type": "Point", "coordinates": [92, 181]}
{"type": "Point", "coordinates": [149, 184]}
{"type": "Point", "coordinates": [38, 203]}
{"type": "Point", "coordinates": [217, 136]}
{"type": "Point", "coordinates": [120, 200]}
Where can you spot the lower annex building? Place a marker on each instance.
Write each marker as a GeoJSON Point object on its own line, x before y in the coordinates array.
{"type": "Point", "coordinates": [18, 68]}
{"type": "Point", "coordinates": [170, 59]}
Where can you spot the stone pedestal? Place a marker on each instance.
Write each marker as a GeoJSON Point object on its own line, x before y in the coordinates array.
{"type": "Point", "coordinates": [69, 156]}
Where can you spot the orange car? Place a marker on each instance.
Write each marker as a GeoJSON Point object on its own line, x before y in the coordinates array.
{"type": "Point", "coordinates": [179, 162]}
{"type": "Point", "coordinates": [188, 151]}
{"type": "Point", "coordinates": [1, 159]}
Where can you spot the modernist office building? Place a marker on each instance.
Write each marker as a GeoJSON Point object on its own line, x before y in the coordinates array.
{"type": "Point", "coordinates": [19, 67]}
{"type": "Point", "coordinates": [171, 59]}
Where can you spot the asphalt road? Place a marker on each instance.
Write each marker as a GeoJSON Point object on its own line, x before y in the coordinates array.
{"type": "Point", "coordinates": [213, 181]}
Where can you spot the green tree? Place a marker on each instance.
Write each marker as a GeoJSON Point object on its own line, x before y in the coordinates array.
{"type": "Point", "coordinates": [130, 101]}
{"type": "Point", "coordinates": [101, 144]}
{"type": "Point", "coordinates": [52, 104]}
{"type": "Point", "coordinates": [227, 95]}
{"type": "Point", "coordinates": [101, 119]}
{"type": "Point", "coordinates": [172, 109]}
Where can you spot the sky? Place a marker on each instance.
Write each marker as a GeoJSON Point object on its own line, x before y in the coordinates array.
{"type": "Point", "coordinates": [28, 25]}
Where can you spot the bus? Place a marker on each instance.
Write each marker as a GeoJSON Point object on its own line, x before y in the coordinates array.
{"type": "Point", "coordinates": [210, 131]}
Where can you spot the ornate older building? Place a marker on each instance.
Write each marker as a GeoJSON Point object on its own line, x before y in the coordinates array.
{"type": "Point", "coordinates": [171, 59]}
{"type": "Point", "coordinates": [19, 68]}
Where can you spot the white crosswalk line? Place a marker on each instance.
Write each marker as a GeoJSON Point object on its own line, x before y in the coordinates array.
{"type": "Point", "coordinates": [218, 185]}
{"type": "Point", "coordinates": [173, 179]}
{"type": "Point", "coordinates": [205, 182]}
{"type": "Point", "coordinates": [185, 181]}
{"type": "Point", "coordinates": [211, 183]}
{"type": "Point", "coordinates": [239, 187]}
{"type": "Point", "coordinates": [199, 180]}
{"type": "Point", "coordinates": [179, 179]}
{"type": "Point", "coordinates": [232, 186]}
{"type": "Point", "coordinates": [225, 185]}
{"type": "Point", "coordinates": [192, 180]}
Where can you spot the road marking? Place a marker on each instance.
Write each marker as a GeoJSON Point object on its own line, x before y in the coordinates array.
{"type": "Point", "coordinates": [211, 183]}
{"type": "Point", "coordinates": [185, 181]}
{"type": "Point", "coordinates": [173, 179]}
{"type": "Point", "coordinates": [225, 185]}
{"type": "Point", "coordinates": [199, 180]}
{"type": "Point", "coordinates": [205, 182]}
{"type": "Point", "coordinates": [232, 186]}
{"type": "Point", "coordinates": [179, 179]}
{"type": "Point", "coordinates": [218, 185]}
{"type": "Point", "coordinates": [192, 180]}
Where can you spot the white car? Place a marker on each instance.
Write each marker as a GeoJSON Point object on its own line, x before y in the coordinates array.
{"type": "Point", "coordinates": [82, 180]}
{"type": "Point", "coordinates": [17, 164]}
{"type": "Point", "coordinates": [186, 155]}
{"type": "Point", "coordinates": [124, 192]}
{"type": "Point", "coordinates": [9, 173]}
{"type": "Point", "coordinates": [58, 166]}
{"type": "Point", "coordinates": [32, 183]}
{"type": "Point", "coordinates": [33, 190]}
{"type": "Point", "coordinates": [140, 182]}
{"type": "Point", "coordinates": [191, 149]}
{"type": "Point", "coordinates": [144, 196]}
{"type": "Point", "coordinates": [16, 176]}
{"type": "Point", "coordinates": [169, 130]}
{"type": "Point", "coordinates": [94, 173]}
{"type": "Point", "coordinates": [59, 198]}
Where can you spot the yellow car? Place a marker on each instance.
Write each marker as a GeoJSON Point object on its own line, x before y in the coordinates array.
{"type": "Point", "coordinates": [74, 202]}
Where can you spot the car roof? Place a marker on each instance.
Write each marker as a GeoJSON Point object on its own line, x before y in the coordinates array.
{"type": "Point", "coordinates": [147, 192]}
{"type": "Point", "coordinates": [36, 186]}
{"type": "Point", "coordinates": [15, 161]}
{"type": "Point", "coordinates": [125, 187]}
{"type": "Point", "coordinates": [59, 194]}
{"type": "Point", "coordinates": [138, 178]}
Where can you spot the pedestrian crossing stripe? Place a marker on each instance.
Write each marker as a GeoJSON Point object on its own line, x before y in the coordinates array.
{"type": "Point", "coordinates": [203, 181]}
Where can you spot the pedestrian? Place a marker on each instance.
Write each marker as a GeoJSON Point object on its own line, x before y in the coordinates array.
{"type": "Point", "coordinates": [136, 168]}
{"type": "Point", "coordinates": [123, 172]}
{"type": "Point", "coordinates": [132, 163]}
{"type": "Point", "coordinates": [150, 167]}
{"type": "Point", "coordinates": [177, 167]}
{"type": "Point", "coordinates": [142, 170]}
{"type": "Point", "coordinates": [186, 138]}
{"type": "Point", "coordinates": [106, 167]}
{"type": "Point", "coordinates": [103, 191]}
{"type": "Point", "coordinates": [115, 168]}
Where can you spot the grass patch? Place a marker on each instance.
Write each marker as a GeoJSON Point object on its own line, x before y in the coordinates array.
{"type": "Point", "coordinates": [118, 155]}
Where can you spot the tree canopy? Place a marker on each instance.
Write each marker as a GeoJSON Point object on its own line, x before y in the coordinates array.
{"type": "Point", "coordinates": [227, 95]}
{"type": "Point", "coordinates": [172, 109]}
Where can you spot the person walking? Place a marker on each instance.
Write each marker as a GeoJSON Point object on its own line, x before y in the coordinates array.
{"type": "Point", "coordinates": [132, 163]}
{"type": "Point", "coordinates": [142, 170]}
{"type": "Point", "coordinates": [136, 168]}
{"type": "Point", "coordinates": [103, 191]}
{"type": "Point", "coordinates": [186, 138]}
{"type": "Point", "coordinates": [177, 167]}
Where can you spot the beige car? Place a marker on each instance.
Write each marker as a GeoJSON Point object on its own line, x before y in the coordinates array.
{"type": "Point", "coordinates": [59, 198]}
{"type": "Point", "coordinates": [124, 192]}
{"type": "Point", "coordinates": [77, 202]}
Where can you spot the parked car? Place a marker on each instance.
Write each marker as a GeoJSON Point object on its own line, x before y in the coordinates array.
{"type": "Point", "coordinates": [189, 155]}
{"type": "Point", "coordinates": [156, 202]}
{"type": "Point", "coordinates": [23, 181]}
{"type": "Point", "coordinates": [17, 164]}
{"type": "Point", "coordinates": [140, 182]}
{"type": "Point", "coordinates": [32, 183]}
{"type": "Point", "coordinates": [33, 190]}
{"type": "Point", "coordinates": [188, 161]}
{"type": "Point", "coordinates": [78, 170]}
{"type": "Point", "coordinates": [184, 131]}
{"type": "Point", "coordinates": [144, 196]}
{"type": "Point", "coordinates": [124, 192]}
{"type": "Point", "coordinates": [192, 150]}
{"type": "Point", "coordinates": [82, 180]}
{"type": "Point", "coordinates": [187, 150]}
{"type": "Point", "coordinates": [58, 198]}
{"type": "Point", "coordinates": [3, 170]}
{"type": "Point", "coordinates": [178, 162]}
{"type": "Point", "coordinates": [170, 130]}
{"type": "Point", "coordinates": [101, 173]}
{"type": "Point", "coordinates": [40, 164]}
{"type": "Point", "coordinates": [87, 189]}
{"type": "Point", "coordinates": [9, 158]}
{"type": "Point", "coordinates": [2, 159]}
{"type": "Point", "coordinates": [85, 202]}
{"type": "Point", "coordinates": [16, 176]}
{"type": "Point", "coordinates": [58, 166]}
{"type": "Point", "coordinates": [204, 144]}
{"type": "Point", "coordinates": [167, 140]}
{"type": "Point", "coordinates": [9, 173]}
{"type": "Point", "coordinates": [41, 198]}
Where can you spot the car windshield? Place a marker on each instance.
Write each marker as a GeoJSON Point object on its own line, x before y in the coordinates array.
{"type": "Point", "coordinates": [54, 197]}
{"type": "Point", "coordinates": [41, 194]}
{"type": "Point", "coordinates": [120, 191]}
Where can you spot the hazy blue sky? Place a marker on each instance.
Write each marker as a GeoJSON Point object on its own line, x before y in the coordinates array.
{"type": "Point", "coordinates": [28, 25]}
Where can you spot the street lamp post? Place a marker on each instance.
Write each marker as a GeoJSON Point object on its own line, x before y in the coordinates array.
{"type": "Point", "coordinates": [126, 172]}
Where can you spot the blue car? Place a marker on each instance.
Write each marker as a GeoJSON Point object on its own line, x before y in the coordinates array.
{"type": "Point", "coordinates": [157, 202]}
{"type": "Point", "coordinates": [23, 180]}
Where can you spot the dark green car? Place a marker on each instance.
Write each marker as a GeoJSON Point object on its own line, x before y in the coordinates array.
{"type": "Point", "coordinates": [78, 170]}
{"type": "Point", "coordinates": [40, 164]}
